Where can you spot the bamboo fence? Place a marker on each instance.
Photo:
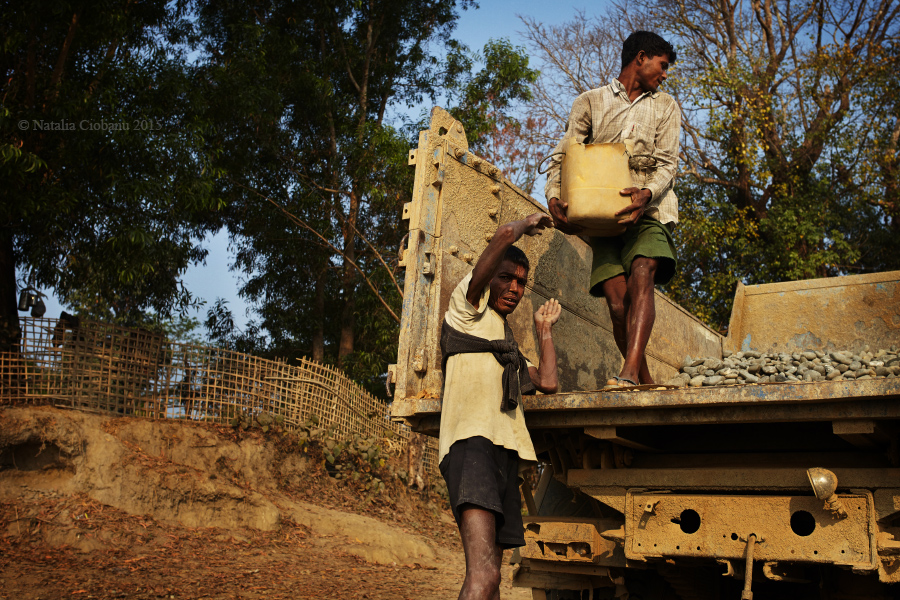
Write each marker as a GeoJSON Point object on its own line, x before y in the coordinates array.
{"type": "Point", "coordinates": [106, 368]}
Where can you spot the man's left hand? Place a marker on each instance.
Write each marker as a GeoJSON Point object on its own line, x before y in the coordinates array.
{"type": "Point", "coordinates": [548, 314]}
{"type": "Point", "coordinates": [639, 200]}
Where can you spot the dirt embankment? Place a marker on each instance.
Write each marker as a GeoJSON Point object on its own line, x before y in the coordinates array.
{"type": "Point", "coordinates": [100, 507]}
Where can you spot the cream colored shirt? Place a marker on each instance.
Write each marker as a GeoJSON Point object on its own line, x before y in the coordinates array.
{"type": "Point", "coordinates": [652, 122]}
{"type": "Point", "coordinates": [473, 383]}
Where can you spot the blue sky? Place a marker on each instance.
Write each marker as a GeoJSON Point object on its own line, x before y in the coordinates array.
{"type": "Point", "coordinates": [493, 19]}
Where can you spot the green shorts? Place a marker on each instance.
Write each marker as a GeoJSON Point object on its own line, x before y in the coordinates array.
{"type": "Point", "coordinates": [613, 255]}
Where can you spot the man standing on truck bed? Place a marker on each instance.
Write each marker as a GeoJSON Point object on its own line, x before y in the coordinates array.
{"type": "Point", "coordinates": [483, 436]}
{"type": "Point", "coordinates": [631, 109]}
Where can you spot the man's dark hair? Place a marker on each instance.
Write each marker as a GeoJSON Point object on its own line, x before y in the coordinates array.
{"type": "Point", "coordinates": [650, 43]}
{"type": "Point", "coordinates": [517, 257]}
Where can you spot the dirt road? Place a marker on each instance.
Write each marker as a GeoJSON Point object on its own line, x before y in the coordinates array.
{"type": "Point", "coordinates": [58, 540]}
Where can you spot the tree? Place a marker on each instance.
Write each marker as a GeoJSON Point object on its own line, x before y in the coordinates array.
{"type": "Point", "coordinates": [317, 172]}
{"type": "Point", "coordinates": [789, 148]}
{"type": "Point", "coordinates": [106, 188]}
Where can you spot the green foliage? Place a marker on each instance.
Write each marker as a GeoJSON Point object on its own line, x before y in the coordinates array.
{"type": "Point", "coordinates": [316, 174]}
{"type": "Point", "coordinates": [263, 421]}
{"type": "Point", "coordinates": [107, 184]}
{"type": "Point", "coordinates": [359, 461]}
{"type": "Point", "coordinates": [483, 99]}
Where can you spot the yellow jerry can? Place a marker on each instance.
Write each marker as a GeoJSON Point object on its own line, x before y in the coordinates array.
{"type": "Point", "coordinates": [592, 176]}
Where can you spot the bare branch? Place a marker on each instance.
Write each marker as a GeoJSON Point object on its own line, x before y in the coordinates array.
{"type": "Point", "coordinates": [297, 220]}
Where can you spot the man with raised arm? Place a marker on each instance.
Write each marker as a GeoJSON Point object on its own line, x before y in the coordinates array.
{"type": "Point", "coordinates": [631, 110]}
{"type": "Point", "coordinates": [483, 437]}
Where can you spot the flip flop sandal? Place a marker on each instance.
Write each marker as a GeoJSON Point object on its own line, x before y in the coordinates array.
{"type": "Point", "coordinates": [621, 382]}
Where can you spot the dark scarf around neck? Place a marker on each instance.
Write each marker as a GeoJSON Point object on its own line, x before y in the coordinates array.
{"type": "Point", "coordinates": [506, 351]}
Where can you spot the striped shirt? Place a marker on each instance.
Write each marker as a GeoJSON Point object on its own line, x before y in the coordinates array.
{"type": "Point", "coordinates": [652, 122]}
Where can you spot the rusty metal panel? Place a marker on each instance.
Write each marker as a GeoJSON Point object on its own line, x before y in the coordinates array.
{"type": "Point", "coordinates": [754, 403]}
{"type": "Point", "coordinates": [835, 313]}
{"type": "Point", "coordinates": [790, 528]}
{"type": "Point", "coordinates": [726, 479]}
{"type": "Point", "coordinates": [572, 540]}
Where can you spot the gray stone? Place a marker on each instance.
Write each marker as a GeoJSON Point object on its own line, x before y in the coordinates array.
{"type": "Point", "coordinates": [820, 354]}
{"type": "Point", "coordinates": [892, 363]}
{"type": "Point", "coordinates": [842, 368]}
{"type": "Point", "coordinates": [726, 353]}
{"type": "Point", "coordinates": [714, 380]}
{"type": "Point", "coordinates": [820, 369]}
{"type": "Point", "coordinates": [863, 372]}
{"type": "Point", "coordinates": [754, 368]}
{"type": "Point", "coordinates": [731, 375]}
{"type": "Point", "coordinates": [849, 374]}
{"type": "Point", "coordinates": [882, 371]}
{"type": "Point", "coordinates": [780, 378]}
{"type": "Point", "coordinates": [697, 362]}
{"type": "Point", "coordinates": [795, 356]}
{"type": "Point", "coordinates": [690, 370]}
{"type": "Point", "coordinates": [729, 382]}
{"type": "Point", "coordinates": [841, 358]}
{"type": "Point", "coordinates": [792, 378]}
{"type": "Point", "coordinates": [748, 377]}
{"type": "Point", "coordinates": [790, 371]}
{"type": "Point", "coordinates": [864, 377]}
{"type": "Point", "coordinates": [856, 365]}
{"type": "Point", "coordinates": [752, 354]}
{"type": "Point", "coordinates": [688, 362]}
{"type": "Point", "coordinates": [712, 363]}
{"type": "Point", "coordinates": [809, 376]}
{"type": "Point", "coordinates": [834, 374]}
{"type": "Point", "coordinates": [709, 372]}
{"type": "Point", "coordinates": [696, 381]}
{"type": "Point", "coordinates": [809, 355]}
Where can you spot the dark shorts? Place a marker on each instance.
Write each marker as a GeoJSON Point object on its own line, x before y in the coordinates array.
{"type": "Point", "coordinates": [481, 473]}
{"type": "Point", "coordinates": [613, 255]}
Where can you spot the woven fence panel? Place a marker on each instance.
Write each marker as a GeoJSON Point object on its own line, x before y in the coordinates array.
{"type": "Point", "coordinates": [117, 370]}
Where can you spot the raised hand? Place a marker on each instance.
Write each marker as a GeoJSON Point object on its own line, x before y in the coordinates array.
{"type": "Point", "coordinates": [548, 314]}
{"type": "Point", "coordinates": [536, 223]}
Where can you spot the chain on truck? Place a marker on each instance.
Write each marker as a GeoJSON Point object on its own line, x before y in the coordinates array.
{"type": "Point", "coordinates": [785, 490]}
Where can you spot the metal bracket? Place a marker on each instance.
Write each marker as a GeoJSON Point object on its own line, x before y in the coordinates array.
{"type": "Point", "coordinates": [428, 267]}
{"type": "Point", "coordinates": [419, 363]}
{"type": "Point", "coordinates": [439, 160]}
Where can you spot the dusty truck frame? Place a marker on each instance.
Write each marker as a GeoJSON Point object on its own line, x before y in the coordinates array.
{"type": "Point", "coordinates": [687, 493]}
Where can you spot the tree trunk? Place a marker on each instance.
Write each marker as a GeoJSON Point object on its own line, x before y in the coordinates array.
{"type": "Point", "coordinates": [348, 280]}
{"type": "Point", "coordinates": [318, 345]}
{"type": "Point", "coordinates": [9, 314]}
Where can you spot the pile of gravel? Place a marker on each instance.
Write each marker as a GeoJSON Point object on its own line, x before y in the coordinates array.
{"type": "Point", "coordinates": [810, 365]}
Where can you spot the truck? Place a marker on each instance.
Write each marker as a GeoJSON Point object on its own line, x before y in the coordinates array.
{"type": "Point", "coordinates": [784, 490]}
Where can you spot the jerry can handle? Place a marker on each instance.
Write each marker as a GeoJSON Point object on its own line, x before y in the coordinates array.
{"type": "Point", "coordinates": [545, 160]}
